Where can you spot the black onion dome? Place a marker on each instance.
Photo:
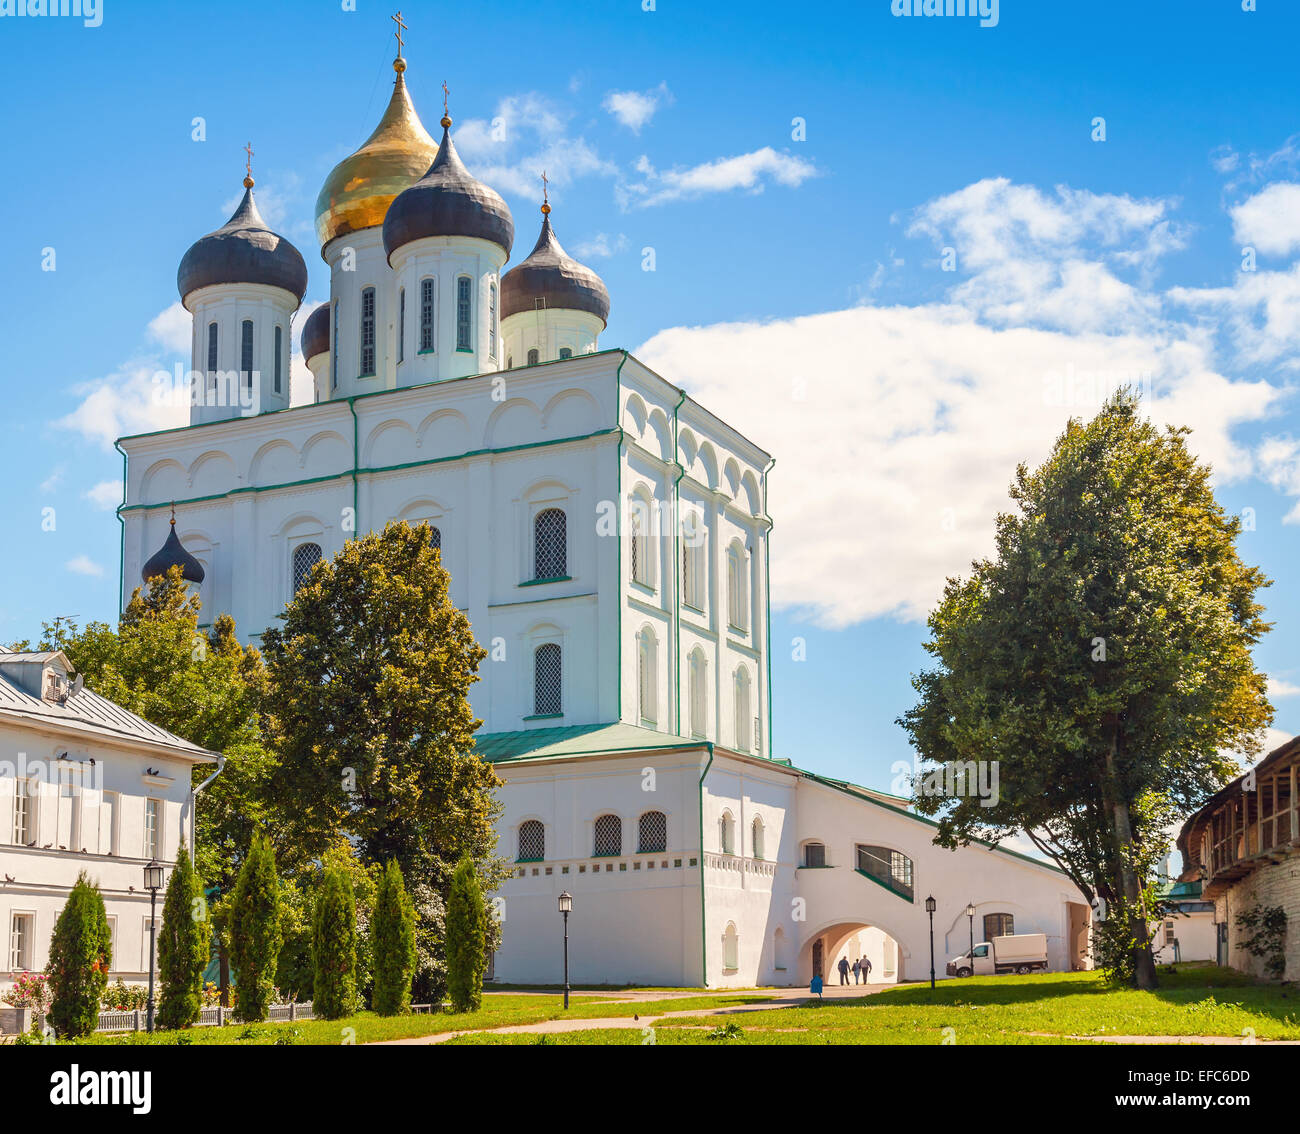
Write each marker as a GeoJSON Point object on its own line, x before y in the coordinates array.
{"type": "Point", "coordinates": [173, 554]}
{"type": "Point", "coordinates": [448, 201]}
{"type": "Point", "coordinates": [550, 274]}
{"type": "Point", "coordinates": [243, 250]}
{"type": "Point", "coordinates": [316, 332]}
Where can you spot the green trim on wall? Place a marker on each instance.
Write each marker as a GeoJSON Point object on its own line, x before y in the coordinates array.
{"type": "Point", "coordinates": [884, 885]}
{"type": "Point", "coordinates": [704, 931]}
{"type": "Point", "coordinates": [767, 596]}
{"type": "Point", "coordinates": [618, 535]}
{"type": "Point", "coordinates": [551, 579]}
{"type": "Point", "coordinates": [677, 575]}
{"type": "Point", "coordinates": [121, 555]}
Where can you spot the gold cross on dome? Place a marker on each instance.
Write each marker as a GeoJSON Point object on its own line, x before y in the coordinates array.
{"type": "Point", "coordinates": [248, 165]}
{"type": "Point", "coordinates": [445, 92]}
{"type": "Point", "coordinates": [545, 188]}
{"type": "Point", "coordinates": [401, 27]}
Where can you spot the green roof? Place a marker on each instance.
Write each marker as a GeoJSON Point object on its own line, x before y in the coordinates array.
{"type": "Point", "coordinates": [576, 740]}
{"type": "Point", "coordinates": [1171, 891]}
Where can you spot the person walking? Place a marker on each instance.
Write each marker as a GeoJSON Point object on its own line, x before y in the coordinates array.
{"type": "Point", "coordinates": [857, 969]}
{"type": "Point", "coordinates": [844, 970]}
{"type": "Point", "coordinates": [866, 971]}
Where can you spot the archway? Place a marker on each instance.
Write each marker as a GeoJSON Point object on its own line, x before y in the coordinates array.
{"type": "Point", "coordinates": [822, 950]}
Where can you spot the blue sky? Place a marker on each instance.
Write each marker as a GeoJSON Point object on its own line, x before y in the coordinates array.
{"type": "Point", "coordinates": [799, 287]}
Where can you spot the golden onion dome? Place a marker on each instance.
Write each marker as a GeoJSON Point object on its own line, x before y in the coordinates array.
{"type": "Point", "coordinates": [358, 191]}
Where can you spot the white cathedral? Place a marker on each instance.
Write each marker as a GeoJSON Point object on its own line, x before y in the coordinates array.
{"type": "Point", "coordinates": [607, 537]}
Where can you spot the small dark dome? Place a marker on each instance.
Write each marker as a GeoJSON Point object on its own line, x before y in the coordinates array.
{"type": "Point", "coordinates": [552, 276]}
{"type": "Point", "coordinates": [172, 554]}
{"type": "Point", "coordinates": [448, 201]}
{"type": "Point", "coordinates": [243, 250]}
{"type": "Point", "coordinates": [316, 332]}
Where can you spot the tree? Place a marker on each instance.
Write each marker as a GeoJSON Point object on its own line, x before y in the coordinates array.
{"type": "Point", "coordinates": [183, 947]}
{"type": "Point", "coordinates": [81, 953]}
{"type": "Point", "coordinates": [368, 704]}
{"type": "Point", "coordinates": [467, 924]}
{"type": "Point", "coordinates": [1102, 660]}
{"type": "Point", "coordinates": [393, 943]}
{"type": "Point", "coordinates": [334, 948]}
{"type": "Point", "coordinates": [254, 928]}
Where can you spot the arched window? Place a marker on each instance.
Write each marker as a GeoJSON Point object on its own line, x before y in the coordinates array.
{"type": "Point", "coordinates": [435, 537]}
{"type": "Point", "coordinates": [889, 867]}
{"type": "Point", "coordinates": [532, 841]}
{"type": "Point", "coordinates": [334, 342]}
{"type": "Point", "coordinates": [212, 347]}
{"type": "Point", "coordinates": [647, 675]}
{"type": "Point", "coordinates": [534, 357]}
{"type": "Point", "coordinates": [492, 320]}
{"type": "Point", "coordinates": [607, 836]}
{"type": "Point", "coordinates": [510, 362]}
{"type": "Point", "coordinates": [727, 833]}
{"type": "Point", "coordinates": [697, 677]}
{"type": "Point", "coordinates": [279, 357]}
{"type": "Point", "coordinates": [743, 740]}
{"type": "Point", "coordinates": [548, 671]}
{"type": "Point", "coordinates": [401, 325]}
{"type": "Point", "coordinates": [759, 847]}
{"type": "Point", "coordinates": [246, 352]}
{"type": "Point", "coordinates": [566, 352]}
{"type": "Point", "coordinates": [737, 588]}
{"type": "Point", "coordinates": [814, 854]}
{"type": "Point", "coordinates": [305, 557]}
{"type": "Point", "coordinates": [639, 542]}
{"type": "Point", "coordinates": [550, 544]}
{"type": "Point", "coordinates": [778, 950]}
{"type": "Point", "coordinates": [426, 314]}
{"type": "Point", "coordinates": [694, 572]}
{"type": "Point", "coordinates": [464, 325]}
{"type": "Point", "coordinates": [998, 925]}
{"type": "Point", "coordinates": [652, 833]}
{"type": "Point", "coordinates": [730, 948]}
{"type": "Point", "coordinates": [367, 332]}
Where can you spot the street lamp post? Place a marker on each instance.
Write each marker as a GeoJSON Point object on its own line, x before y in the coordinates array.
{"type": "Point", "coordinates": [930, 906]}
{"type": "Point", "coordinates": [970, 914]}
{"type": "Point", "coordinates": [153, 880]}
{"type": "Point", "coordinates": [566, 905]}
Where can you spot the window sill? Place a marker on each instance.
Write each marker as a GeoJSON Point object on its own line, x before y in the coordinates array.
{"type": "Point", "coordinates": [734, 629]}
{"type": "Point", "coordinates": [828, 866]}
{"type": "Point", "coordinates": [553, 579]}
{"type": "Point", "coordinates": [527, 861]}
{"type": "Point", "coordinates": [426, 350]}
{"type": "Point", "coordinates": [647, 588]}
{"type": "Point", "coordinates": [545, 717]}
{"type": "Point", "coordinates": [693, 609]}
{"type": "Point", "coordinates": [363, 377]}
{"type": "Point", "coordinates": [464, 350]}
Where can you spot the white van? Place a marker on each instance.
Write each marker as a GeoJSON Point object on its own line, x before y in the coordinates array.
{"type": "Point", "coordinates": [1018, 953]}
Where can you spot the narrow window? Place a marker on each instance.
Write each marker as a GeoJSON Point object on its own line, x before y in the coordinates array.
{"type": "Point", "coordinates": [279, 358]}
{"type": "Point", "coordinates": [547, 680]}
{"type": "Point", "coordinates": [463, 336]}
{"type": "Point", "coordinates": [401, 325]}
{"type": "Point", "coordinates": [426, 314]}
{"type": "Point", "coordinates": [435, 538]}
{"type": "Point", "coordinates": [305, 557]}
{"type": "Point", "coordinates": [492, 321]}
{"type": "Point", "coordinates": [24, 813]}
{"type": "Point", "coordinates": [212, 347]}
{"type": "Point", "coordinates": [608, 836]}
{"type": "Point", "coordinates": [696, 679]}
{"type": "Point", "coordinates": [533, 357]}
{"type": "Point", "coordinates": [566, 352]}
{"type": "Point", "coordinates": [727, 833]}
{"type": "Point", "coordinates": [151, 828]}
{"type": "Point", "coordinates": [693, 568]}
{"type": "Point", "coordinates": [246, 352]}
{"type": "Point", "coordinates": [814, 854]}
{"type": "Point", "coordinates": [758, 849]}
{"type": "Point", "coordinates": [647, 667]}
{"type": "Point", "coordinates": [652, 833]}
{"type": "Point", "coordinates": [550, 544]}
{"type": "Point", "coordinates": [367, 332]}
{"type": "Point", "coordinates": [532, 841]}
{"type": "Point", "coordinates": [20, 942]}
{"type": "Point", "coordinates": [737, 589]}
{"type": "Point", "coordinates": [334, 334]}
{"type": "Point", "coordinates": [108, 823]}
{"type": "Point", "coordinates": [742, 709]}
{"type": "Point", "coordinates": [731, 948]}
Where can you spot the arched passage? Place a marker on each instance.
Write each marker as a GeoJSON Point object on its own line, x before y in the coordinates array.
{"type": "Point", "coordinates": [851, 940]}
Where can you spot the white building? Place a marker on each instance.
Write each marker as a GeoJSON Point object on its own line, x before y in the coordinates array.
{"type": "Point", "coordinates": [84, 785]}
{"type": "Point", "coordinates": [607, 537]}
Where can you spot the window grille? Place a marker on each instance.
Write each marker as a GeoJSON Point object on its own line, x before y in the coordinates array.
{"type": "Point", "coordinates": [23, 832]}
{"type": "Point", "coordinates": [435, 538]}
{"type": "Point", "coordinates": [550, 544]}
{"type": "Point", "coordinates": [334, 337]}
{"type": "Point", "coordinates": [492, 321]}
{"type": "Point", "coordinates": [367, 332]}
{"type": "Point", "coordinates": [150, 828]}
{"type": "Point", "coordinates": [212, 346]}
{"type": "Point", "coordinates": [998, 925]}
{"type": "Point", "coordinates": [534, 357]}
{"type": "Point", "coordinates": [305, 557]}
{"type": "Point", "coordinates": [608, 836]}
{"type": "Point", "coordinates": [889, 866]}
{"type": "Point", "coordinates": [547, 680]}
{"type": "Point", "coordinates": [652, 833]}
{"type": "Point", "coordinates": [401, 325]}
{"type": "Point", "coordinates": [246, 352]}
{"type": "Point", "coordinates": [647, 665]}
{"type": "Point", "coordinates": [566, 352]}
{"type": "Point", "coordinates": [426, 314]}
{"type": "Point", "coordinates": [532, 841]}
{"type": "Point", "coordinates": [814, 854]}
{"type": "Point", "coordinates": [462, 314]}
{"type": "Point", "coordinates": [279, 357]}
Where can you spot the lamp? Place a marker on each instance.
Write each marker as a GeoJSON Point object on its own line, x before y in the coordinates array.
{"type": "Point", "coordinates": [566, 907]}
{"type": "Point", "coordinates": [153, 882]}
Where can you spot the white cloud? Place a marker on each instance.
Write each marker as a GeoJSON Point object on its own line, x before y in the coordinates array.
{"type": "Point", "coordinates": [750, 172]}
{"type": "Point", "coordinates": [1270, 220]}
{"type": "Point", "coordinates": [83, 565]}
{"type": "Point", "coordinates": [1278, 687]}
{"type": "Point", "coordinates": [52, 482]}
{"type": "Point", "coordinates": [172, 329]}
{"type": "Point", "coordinates": [302, 386]}
{"type": "Point", "coordinates": [132, 399]}
{"type": "Point", "coordinates": [106, 495]}
{"type": "Point", "coordinates": [897, 429]}
{"type": "Point", "coordinates": [601, 246]}
{"type": "Point", "coordinates": [634, 109]}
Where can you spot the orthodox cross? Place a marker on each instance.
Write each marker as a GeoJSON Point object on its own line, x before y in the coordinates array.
{"type": "Point", "coordinates": [401, 27]}
{"type": "Point", "coordinates": [445, 92]}
{"type": "Point", "coordinates": [248, 165]}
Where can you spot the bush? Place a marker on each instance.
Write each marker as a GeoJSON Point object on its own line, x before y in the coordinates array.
{"type": "Point", "coordinates": [334, 948]}
{"type": "Point", "coordinates": [393, 943]}
{"type": "Point", "coordinates": [183, 948]}
{"type": "Point", "coordinates": [81, 952]}
{"type": "Point", "coordinates": [122, 997]}
{"type": "Point", "coordinates": [255, 932]}
{"type": "Point", "coordinates": [466, 939]}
